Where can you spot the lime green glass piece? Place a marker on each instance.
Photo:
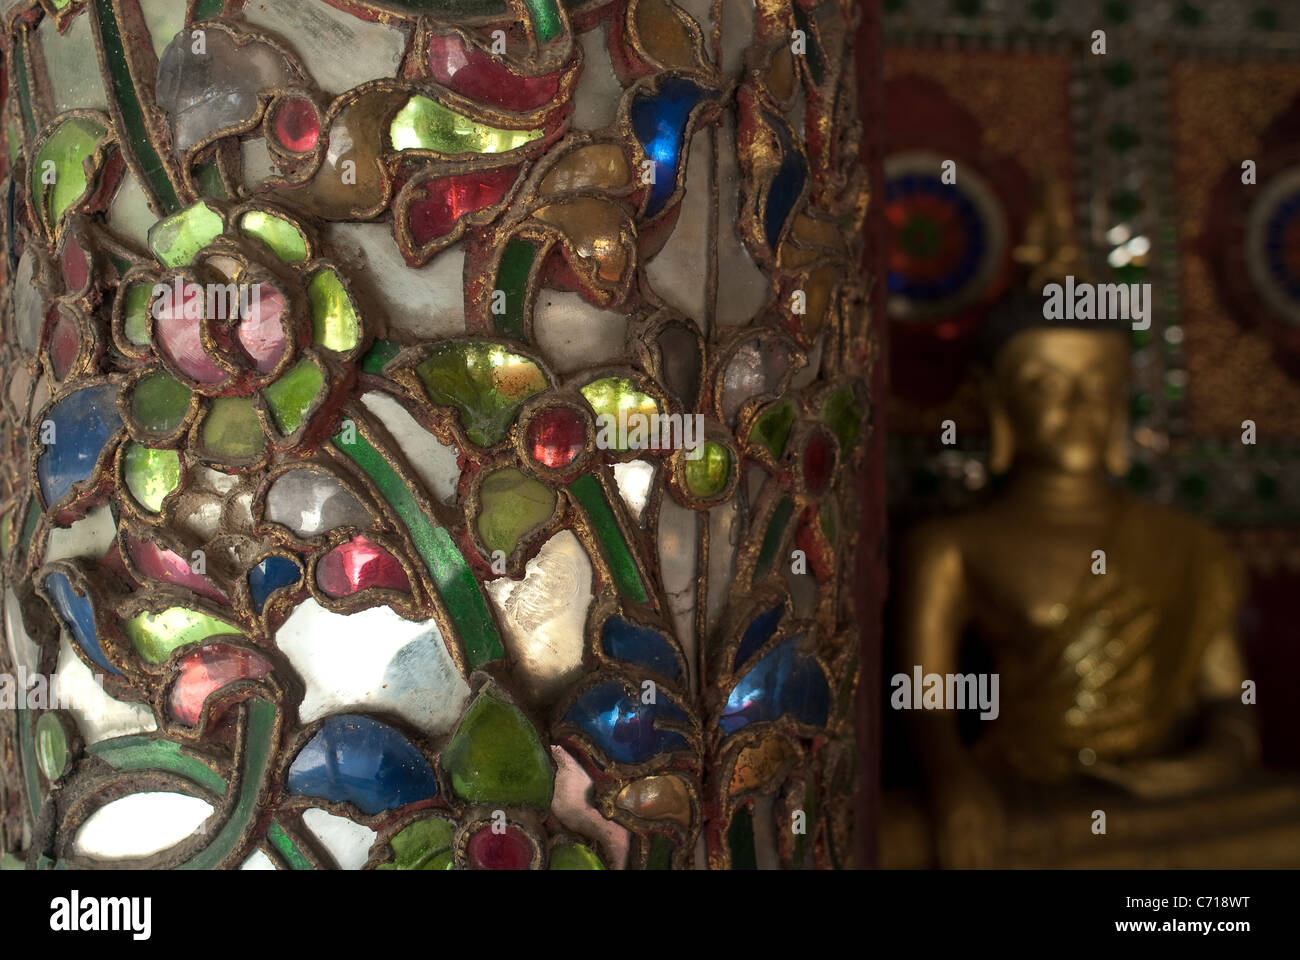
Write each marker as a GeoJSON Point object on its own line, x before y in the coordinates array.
{"type": "Point", "coordinates": [575, 856]}
{"type": "Point", "coordinates": [484, 381]}
{"type": "Point", "coordinates": [290, 397]}
{"type": "Point", "coordinates": [136, 315]}
{"type": "Point", "coordinates": [285, 240]}
{"type": "Point", "coordinates": [707, 475]}
{"type": "Point", "coordinates": [772, 428]}
{"type": "Point", "coordinates": [826, 518]}
{"type": "Point", "coordinates": [51, 746]}
{"type": "Point", "coordinates": [6, 533]}
{"type": "Point", "coordinates": [156, 635]}
{"type": "Point", "coordinates": [150, 474]}
{"type": "Point", "coordinates": [511, 505]}
{"type": "Point", "coordinates": [425, 124]}
{"type": "Point", "coordinates": [618, 399]}
{"type": "Point", "coordinates": [15, 143]}
{"type": "Point", "coordinates": [843, 415]}
{"type": "Point", "coordinates": [159, 402]}
{"type": "Point", "coordinates": [231, 429]}
{"type": "Point", "coordinates": [418, 846]}
{"type": "Point", "coordinates": [545, 15]}
{"type": "Point", "coordinates": [495, 756]}
{"type": "Point", "coordinates": [60, 159]}
{"type": "Point", "coordinates": [176, 239]}
{"type": "Point", "coordinates": [333, 314]}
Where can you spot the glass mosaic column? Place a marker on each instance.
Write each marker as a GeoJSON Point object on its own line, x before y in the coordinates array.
{"type": "Point", "coordinates": [319, 549]}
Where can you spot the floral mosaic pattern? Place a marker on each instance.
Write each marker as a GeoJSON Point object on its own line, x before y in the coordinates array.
{"type": "Point", "coordinates": [313, 313]}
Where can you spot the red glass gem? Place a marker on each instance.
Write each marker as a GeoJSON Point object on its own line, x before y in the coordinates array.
{"type": "Point", "coordinates": [818, 458]}
{"type": "Point", "coordinates": [555, 437]}
{"type": "Point", "coordinates": [76, 268]}
{"type": "Point", "coordinates": [65, 342]}
{"type": "Point", "coordinates": [159, 563]}
{"type": "Point", "coordinates": [473, 73]}
{"type": "Point", "coordinates": [297, 124]}
{"type": "Point", "coordinates": [357, 565]}
{"type": "Point", "coordinates": [206, 670]}
{"type": "Point", "coordinates": [511, 850]}
{"type": "Point", "coordinates": [447, 199]}
{"type": "Point", "coordinates": [261, 327]}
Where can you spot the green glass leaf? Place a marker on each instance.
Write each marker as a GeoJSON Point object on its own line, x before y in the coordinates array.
{"type": "Point", "coordinates": [231, 430]}
{"type": "Point", "coordinates": [425, 124]}
{"type": "Point", "coordinates": [150, 474]}
{"type": "Point", "coordinates": [158, 402]}
{"type": "Point", "coordinates": [292, 395]}
{"type": "Point", "coordinates": [156, 635]}
{"type": "Point", "coordinates": [495, 756]}
{"type": "Point", "coordinates": [60, 158]}
{"type": "Point", "coordinates": [417, 847]}
{"type": "Point", "coordinates": [51, 746]}
{"type": "Point", "coordinates": [333, 314]}
{"type": "Point", "coordinates": [285, 240]}
{"type": "Point", "coordinates": [176, 239]}
{"type": "Point", "coordinates": [136, 313]}
{"type": "Point", "coordinates": [575, 856]}
{"type": "Point", "coordinates": [843, 415]}
{"type": "Point", "coordinates": [511, 505]}
{"type": "Point", "coordinates": [707, 475]}
{"type": "Point", "coordinates": [484, 381]}
{"type": "Point", "coordinates": [617, 399]}
{"type": "Point", "coordinates": [772, 428]}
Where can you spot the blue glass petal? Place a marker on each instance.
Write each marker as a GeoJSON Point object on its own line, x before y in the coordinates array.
{"type": "Point", "coordinates": [270, 575]}
{"type": "Point", "coordinates": [786, 186]}
{"type": "Point", "coordinates": [659, 122]}
{"type": "Point", "coordinates": [758, 632]}
{"type": "Point", "coordinates": [83, 422]}
{"type": "Point", "coordinates": [623, 726]}
{"type": "Point", "coordinates": [781, 682]}
{"type": "Point", "coordinates": [354, 759]}
{"type": "Point", "coordinates": [78, 615]}
{"type": "Point", "coordinates": [640, 645]}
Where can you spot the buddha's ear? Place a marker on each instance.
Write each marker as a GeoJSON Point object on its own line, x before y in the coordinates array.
{"type": "Point", "coordinates": [1117, 450]}
{"type": "Point", "coordinates": [1002, 442]}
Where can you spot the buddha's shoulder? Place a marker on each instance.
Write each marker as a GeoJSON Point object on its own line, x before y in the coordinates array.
{"type": "Point", "coordinates": [1175, 528]}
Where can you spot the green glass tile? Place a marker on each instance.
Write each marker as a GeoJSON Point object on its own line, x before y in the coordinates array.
{"type": "Point", "coordinates": [771, 428]}
{"type": "Point", "coordinates": [285, 240]}
{"type": "Point", "coordinates": [1194, 486]}
{"type": "Point", "coordinates": [136, 138]}
{"type": "Point", "coordinates": [627, 578]}
{"type": "Point", "coordinates": [135, 314]}
{"type": "Point", "coordinates": [289, 397]}
{"type": "Point", "coordinates": [740, 841]}
{"type": "Point", "coordinates": [150, 474]}
{"type": "Point", "coordinates": [231, 429]}
{"type": "Point", "coordinates": [156, 635]}
{"type": "Point", "coordinates": [51, 746]}
{"type": "Point", "coordinates": [158, 402]}
{"type": "Point", "coordinates": [64, 152]}
{"type": "Point", "coordinates": [1042, 9]}
{"type": "Point", "coordinates": [288, 849]}
{"type": "Point", "coordinates": [333, 314]}
{"type": "Point", "coordinates": [512, 280]}
{"type": "Point", "coordinates": [512, 504]}
{"type": "Point", "coordinates": [210, 183]}
{"type": "Point", "coordinates": [1117, 11]}
{"type": "Point", "coordinates": [545, 15]}
{"type": "Point", "coordinates": [14, 138]}
{"type": "Point", "coordinates": [496, 756]}
{"type": "Point", "coordinates": [455, 581]}
{"type": "Point", "coordinates": [1265, 486]}
{"type": "Point", "coordinates": [484, 382]}
{"type": "Point", "coordinates": [1122, 138]}
{"type": "Point", "coordinates": [661, 853]}
{"type": "Point", "coordinates": [826, 519]}
{"type": "Point", "coordinates": [6, 533]}
{"type": "Point", "coordinates": [148, 753]}
{"type": "Point", "coordinates": [24, 93]}
{"type": "Point", "coordinates": [380, 352]}
{"type": "Point", "coordinates": [575, 856]}
{"type": "Point", "coordinates": [1125, 203]}
{"type": "Point", "coordinates": [414, 847]}
{"type": "Point", "coordinates": [707, 475]}
{"type": "Point", "coordinates": [1143, 404]}
{"type": "Point", "coordinates": [425, 124]}
{"type": "Point", "coordinates": [27, 751]}
{"type": "Point", "coordinates": [1120, 74]}
{"type": "Point", "coordinates": [207, 9]}
{"type": "Point", "coordinates": [617, 403]}
{"type": "Point", "coordinates": [176, 239]}
{"type": "Point", "coordinates": [775, 533]}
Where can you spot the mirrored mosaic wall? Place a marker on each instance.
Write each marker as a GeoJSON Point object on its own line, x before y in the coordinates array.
{"type": "Point", "coordinates": [316, 550]}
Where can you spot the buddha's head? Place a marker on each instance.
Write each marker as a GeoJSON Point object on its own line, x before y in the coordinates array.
{"type": "Point", "coordinates": [1058, 401]}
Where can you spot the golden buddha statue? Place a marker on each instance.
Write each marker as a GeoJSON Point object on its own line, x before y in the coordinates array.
{"type": "Point", "coordinates": [1106, 660]}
